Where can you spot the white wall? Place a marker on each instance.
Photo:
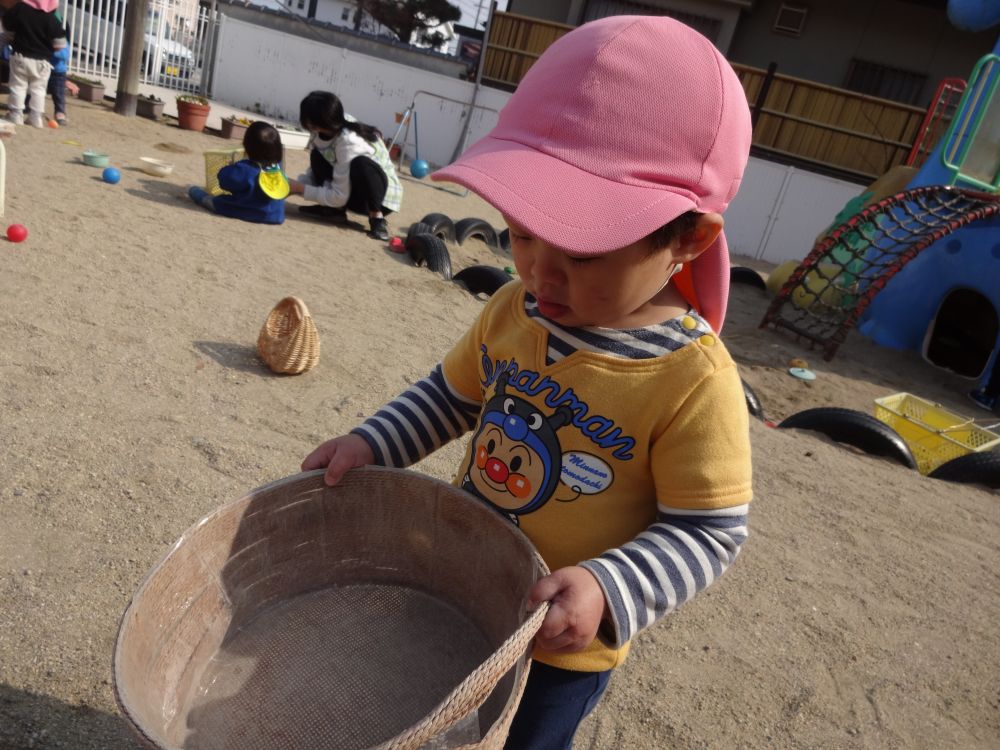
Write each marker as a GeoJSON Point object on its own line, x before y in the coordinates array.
{"type": "Point", "coordinates": [775, 216]}
{"type": "Point", "coordinates": [779, 210]}
{"type": "Point", "coordinates": [255, 64]}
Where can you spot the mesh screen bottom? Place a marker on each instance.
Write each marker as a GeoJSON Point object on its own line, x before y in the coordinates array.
{"type": "Point", "coordinates": [339, 669]}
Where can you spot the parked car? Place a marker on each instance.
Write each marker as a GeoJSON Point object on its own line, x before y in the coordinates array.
{"type": "Point", "coordinates": [97, 27]}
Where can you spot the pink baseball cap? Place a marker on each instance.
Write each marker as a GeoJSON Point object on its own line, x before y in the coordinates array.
{"type": "Point", "coordinates": [621, 126]}
{"type": "Point", "coordinates": [44, 5]}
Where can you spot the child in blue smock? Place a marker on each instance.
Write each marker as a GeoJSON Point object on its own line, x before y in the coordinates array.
{"type": "Point", "coordinates": [256, 185]}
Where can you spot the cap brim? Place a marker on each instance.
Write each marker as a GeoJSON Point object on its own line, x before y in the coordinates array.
{"type": "Point", "coordinates": [578, 211]}
{"type": "Point", "coordinates": [560, 203]}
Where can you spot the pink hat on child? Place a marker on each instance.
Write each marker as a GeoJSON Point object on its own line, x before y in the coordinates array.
{"type": "Point", "coordinates": [621, 126]}
{"type": "Point", "coordinates": [45, 5]}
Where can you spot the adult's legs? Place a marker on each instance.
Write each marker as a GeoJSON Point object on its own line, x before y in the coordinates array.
{"type": "Point", "coordinates": [554, 703]}
{"type": "Point", "coordinates": [368, 186]}
{"type": "Point", "coordinates": [322, 169]}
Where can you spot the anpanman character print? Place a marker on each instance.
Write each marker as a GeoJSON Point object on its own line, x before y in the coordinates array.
{"type": "Point", "coordinates": [515, 461]}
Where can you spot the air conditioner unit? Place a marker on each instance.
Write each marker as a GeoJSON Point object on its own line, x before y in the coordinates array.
{"type": "Point", "coordinates": [791, 19]}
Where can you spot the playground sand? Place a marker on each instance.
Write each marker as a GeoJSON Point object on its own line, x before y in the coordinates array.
{"type": "Point", "coordinates": [862, 614]}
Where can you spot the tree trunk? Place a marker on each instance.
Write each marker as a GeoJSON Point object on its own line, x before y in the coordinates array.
{"type": "Point", "coordinates": [127, 95]}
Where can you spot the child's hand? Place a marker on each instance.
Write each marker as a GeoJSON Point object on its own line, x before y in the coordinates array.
{"type": "Point", "coordinates": [575, 610]}
{"type": "Point", "coordinates": [295, 187]}
{"type": "Point", "coordinates": [338, 455]}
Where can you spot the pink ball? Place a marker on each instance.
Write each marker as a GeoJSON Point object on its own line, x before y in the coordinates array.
{"type": "Point", "coordinates": [17, 233]}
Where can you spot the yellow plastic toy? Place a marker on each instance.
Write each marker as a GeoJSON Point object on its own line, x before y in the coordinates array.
{"type": "Point", "coordinates": [274, 183]}
{"type": "Point", "coordinates": [818, 284]}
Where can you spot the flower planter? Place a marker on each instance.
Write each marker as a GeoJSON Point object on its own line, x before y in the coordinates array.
{"type": "Point", "coordinates": [294, 139]}
{"type": "Point", "coordinates": [90, 91]}
{"type": "Point", "coordinates": [151, 108]}
{"type": "Point", "coordinates": [233, 129]}
{"type": "Point", "coordinates": [192, 115]}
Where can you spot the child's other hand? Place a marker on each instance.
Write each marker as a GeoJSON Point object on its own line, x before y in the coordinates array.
{"type": "Point", "coordinates": [295, 187]}
{"type": "Point", "coordinates": [576, 606]}
{"type": "Point", "coordinates": [338, 455]}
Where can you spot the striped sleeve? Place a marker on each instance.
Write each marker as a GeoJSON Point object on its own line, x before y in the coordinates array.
{"type": "Point", "coordinates": [416, 423]}
{"type": "Point", "coordinates": [666, 565]}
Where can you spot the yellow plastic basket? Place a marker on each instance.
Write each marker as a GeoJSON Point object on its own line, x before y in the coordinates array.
{"type": "Point", "coordinates": [216, 160]}
{"type": "Point", "coordinates": [934, 434]}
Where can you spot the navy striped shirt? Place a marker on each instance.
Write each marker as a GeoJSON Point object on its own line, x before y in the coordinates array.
{"type": "Point", "coordinates": [666, 565]}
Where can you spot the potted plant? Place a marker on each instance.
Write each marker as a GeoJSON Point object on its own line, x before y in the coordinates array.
{"type": "Point", "coordinates": [90, 90]}
{"type": "Point", "coordinates": [192, 112]}
{"type": "Point", "coordinates": [149, 106]}
{"type": "Point", "coordinates": [292, 136]}
{"type": "Point", "coordinates": [235, 127]}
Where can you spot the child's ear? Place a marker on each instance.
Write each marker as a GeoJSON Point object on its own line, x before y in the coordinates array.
{"type": "Point", "coordinates": [693, 243]}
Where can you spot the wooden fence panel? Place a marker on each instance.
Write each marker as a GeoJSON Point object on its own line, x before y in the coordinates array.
{"type": "Point", "coordinates": [514, 45]}
{"type": "Point", "coordinates": [798, 120]}
{"type": "Point", "coordinates": [828, 126]}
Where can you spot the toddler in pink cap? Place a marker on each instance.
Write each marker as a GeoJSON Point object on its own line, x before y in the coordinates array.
{"type": "Point", "coordinates": [608, 420]}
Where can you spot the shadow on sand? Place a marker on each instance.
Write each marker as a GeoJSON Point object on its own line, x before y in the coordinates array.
{"type": "Point", "coordinates": [33, 720]}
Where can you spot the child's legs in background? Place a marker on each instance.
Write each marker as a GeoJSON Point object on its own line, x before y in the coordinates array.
{"type": "Point", "coordinates": [554, 703]}
{"type": "Point", "coordinates": [202, 197]}
{"type": "Point", "coordinates": [38, 82]}
{"type": "Point", "coordinates": [57, 87]}
{"type": "Point", "coordinates": [368, 186]}
{"type": "Point", "coordinates": [20, 76]}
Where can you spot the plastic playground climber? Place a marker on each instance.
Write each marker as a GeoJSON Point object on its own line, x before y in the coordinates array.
{"type": "Point", "coordinates": [825, 296]}
{"type": "Point", "coordinates": [915, 267]}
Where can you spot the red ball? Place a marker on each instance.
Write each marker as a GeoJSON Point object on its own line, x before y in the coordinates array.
{"type": "Point", "coordinates": [17, 233]}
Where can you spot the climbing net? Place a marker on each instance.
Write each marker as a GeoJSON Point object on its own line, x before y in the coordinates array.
{"type": "Point", "coordinates": [826, 294]}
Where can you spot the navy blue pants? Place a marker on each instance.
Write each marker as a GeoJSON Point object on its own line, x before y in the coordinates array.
{"type": "Point", "coordinates": [368, 182]}
{"type": "Point", "coordinates": [554, 703]}
{"type": "Point", "coordinates": [57, 87]}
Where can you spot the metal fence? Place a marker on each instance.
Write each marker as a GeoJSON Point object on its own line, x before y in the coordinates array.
{"type": "Point", "coordinates": [176, 46]}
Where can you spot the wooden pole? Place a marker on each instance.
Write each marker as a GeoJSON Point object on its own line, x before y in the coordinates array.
{"type": "Point", "coordinates": [463, 139]}
{"type": "Point", "coordinates": [127, 95]}
{"type": "Point", "coordinates": [765, 86]}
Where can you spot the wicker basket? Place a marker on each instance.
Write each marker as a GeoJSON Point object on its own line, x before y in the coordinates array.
{"type": "Point", "coordinates": [388, 611]}
{"type": "Point", "coordinates": [216, 160]}
{"type": "Point", "coordinates": [289, 342]}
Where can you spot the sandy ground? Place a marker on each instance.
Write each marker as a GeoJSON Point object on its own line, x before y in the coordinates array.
{"type": "Point", "coordinates": [863, 612]}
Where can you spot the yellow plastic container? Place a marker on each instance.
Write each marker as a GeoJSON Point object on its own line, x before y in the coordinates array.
{"type": "Point", "coordinates": [216, 160]}
{"type": "Point", "coordinates": [934, 434]}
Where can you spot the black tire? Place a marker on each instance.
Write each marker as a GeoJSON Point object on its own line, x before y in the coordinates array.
{"type": "Point", "coordinates": [418, 228]}
{"type": "Point", "coordinates": [855, 428]}
{"type": "Point", "coordinates": [429, 250]}
{"type": "Point", "coordinates": [744, 275]}
{"type": "Point", "coordinates": [440, 225]}
{"type": "Point", "coordinates": [480, 228]}
{"type": "Point", "coordinates": [504, 239]}
{"type": "Point", "coordinates": [972, 468]}
{"type": "Point", "coordinates": [479, 279]}
{"type": "Point", "coordinates": [754, 406]}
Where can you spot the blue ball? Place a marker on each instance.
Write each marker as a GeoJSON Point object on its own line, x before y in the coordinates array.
{"type": "Point", "coordinates": [420, 169]}
{"type": "Point", "coordinates": [111, 175]}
